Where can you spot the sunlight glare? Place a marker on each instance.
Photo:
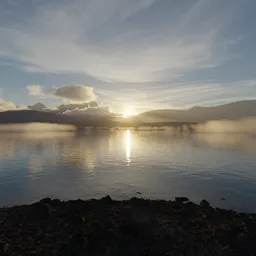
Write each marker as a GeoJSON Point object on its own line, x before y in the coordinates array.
{"type": "Point", "coordinates": [128, 113]}
{"type": "Point", "coordinates": [128, 144]}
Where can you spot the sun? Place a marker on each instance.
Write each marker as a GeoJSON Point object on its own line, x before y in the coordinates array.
{"type": "Point", "coordinates": [128, 112]}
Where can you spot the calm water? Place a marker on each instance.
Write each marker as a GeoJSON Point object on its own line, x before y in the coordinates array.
{"type": "Point", "coordinates": [159, 164]}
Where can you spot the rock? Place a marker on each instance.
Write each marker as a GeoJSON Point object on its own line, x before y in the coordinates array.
{"type": "Point", "coordinates": [46, 200]}
{"type": "Point", "coordinates": [77, 240]}
{"type": "Point", "coordinates": [226, 237]}
{"type": "Point", "coordinates": [133, 227]}
{"type": "Point", "coordinates": [64, 250]}
{"type": "Point", "coordinates": [55, 202]}
{"type": "Point", "coordinates": [139, 201]}
{"type": "Point", "coordinates": [185, 211]}
{"type": "Point", "coordinates": [76, 246]}
{"type": "Point", "coordinates": [231, 215]}
{"type": "Point", "coordinates": [204, 203]}
{"type": "Point", "coordinates": [130, 229]}
{"type": "Point", "coordinates": [181, 199]}
{"type": "Point", "coordinates": [39, 210]}
{"type": "Point", "coordinates": [76, 219]}
{"type": "Point", "coordinates": [51, 204]}
{"type": "Point", "coordinates": [97, 238]}
{"type": "Point", "coordinates": [142, 226]}
{"type": "Point", "coordinates": [96, 228]}
{"type": "Point", "coordinates": [4, 247]}
{"type": "Point", "coordinates": [74, 207]}
{"type": "Point", "coordinates": [106, 199]}
{"type": "Point", "coordinates": [139, 193]}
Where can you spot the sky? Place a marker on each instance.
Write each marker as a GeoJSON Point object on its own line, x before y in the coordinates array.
{"type": "Point", "coordinates": [136, 54]}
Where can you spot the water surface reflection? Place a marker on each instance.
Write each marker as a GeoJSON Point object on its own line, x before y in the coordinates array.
{"type": "Point", "coordinates": [159, 164]}
{"type": "Point", "coordinates": [128, 144]}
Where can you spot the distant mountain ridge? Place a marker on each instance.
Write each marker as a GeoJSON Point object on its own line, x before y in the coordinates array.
{"type": "Point", "coordinates": [33, 116]}
{"type": "Point", "coordinates": [230, 111]}
{"type": "Point", "coordinates": [38, 106]}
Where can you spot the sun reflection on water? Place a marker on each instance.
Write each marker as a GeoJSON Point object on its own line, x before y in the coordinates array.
{"type": "Point", "coordinates": [128, 144]}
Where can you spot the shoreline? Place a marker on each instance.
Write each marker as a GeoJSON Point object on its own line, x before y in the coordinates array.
{"type": "Point", "coordinates": [132, 227]}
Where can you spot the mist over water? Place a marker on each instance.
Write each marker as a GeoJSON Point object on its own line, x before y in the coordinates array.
{"type": "Point", "coordinates": [245, 125]}
{"type": "Point", "coordinates": [62, 163]}
{"type": "Point", "coordinates": [35, 127]}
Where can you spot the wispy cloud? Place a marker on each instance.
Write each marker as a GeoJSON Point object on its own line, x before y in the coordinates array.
{"type": "Point", "coordinates": [100, 38]}
{"type": "Point", "coordinates": [180, 95]}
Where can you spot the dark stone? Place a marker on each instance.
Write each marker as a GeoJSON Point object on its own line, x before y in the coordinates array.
{"type": "Point", "coordinates": [4, 247]}
{"type": "Point", "coordinates": [77, 240]}
{"type": "Point", "coordinates": [133, 227]}
{"type": "Point", "coordinates": [185, 211]}
{"type": "Point", "coordinates": [39, 210]}
{"type": "Point", "coordinates": [97, 238]}
{"type": "Point", "coordinates": [74, 207]}
{"type": "Point", "coordinates": [204, 203]}
{"type": "Point", "coordinates": [55, 202]}
{"type": "Point", "coordinates": [142, 227]}
{"type": "Point", "coordinates": [64, 250]}
{"type": "Point", "coordinates": [75, 220]}
{"type": "Point", "coordinates": [139, 193]}
{"type": "Point", "coordinates": [130, 229]}
{"type": "Point", "coordinates": [231, 215]}
{"type": "Point", "coordinates": [106, 199]}
{"type": "Point", "coordinates": [46, 200]}
{"type": "Point", "coordinates": [51, 204]}
{"type": "Point", "coordinates": [96, 228]}
{"type": "Point", "coordinates": [181, 199]}
{"type": "Point", "coordinates": [226, 236]}
{"type": "Point", "coordinates": [139, 201]}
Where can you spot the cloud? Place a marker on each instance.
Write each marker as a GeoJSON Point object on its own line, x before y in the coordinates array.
{"type": "Point", "coordinates": [78, 93]}
{"type": "Point", "coordinates": [119, 40]}
{"type": "Point", "coordinates": [73, 93]}
{"type": "Point", "coordinates": [182, 95]}
{"type": "Point", "coordinates": [92, 109]}
{"type": "Point", "coordinates": [70, 107]}
{"type": "Point", "coordinates": [8, 105]}
{"type": "Point", "coordinates": [35, 90]}
{"type": "Point", "coordinates": [93, 112]}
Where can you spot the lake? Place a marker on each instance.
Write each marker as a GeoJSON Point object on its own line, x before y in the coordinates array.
{"type": "Point", "coordinates": [158, 164]}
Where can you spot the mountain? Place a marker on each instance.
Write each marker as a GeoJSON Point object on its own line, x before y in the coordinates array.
{"type": "Point", "coordinates": [33, 116]}
{"type": "Point", "coordinates": [230, 111]}
{"type": "Point", "coordinates": [38, 106]}
{"type": "Point", "coordinates": [27, 116]}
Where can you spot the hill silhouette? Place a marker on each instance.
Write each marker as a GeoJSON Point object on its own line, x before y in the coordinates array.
{"type": "Point", "coordinates": [231, 111]}
{"type": "Point", "coordinates": [38, 106]}
{"type": "Point", "coordinates": [33, 116]}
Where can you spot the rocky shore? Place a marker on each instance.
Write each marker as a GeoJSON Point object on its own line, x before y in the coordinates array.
{"type": "Point", "coordinates": [133, 227]}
